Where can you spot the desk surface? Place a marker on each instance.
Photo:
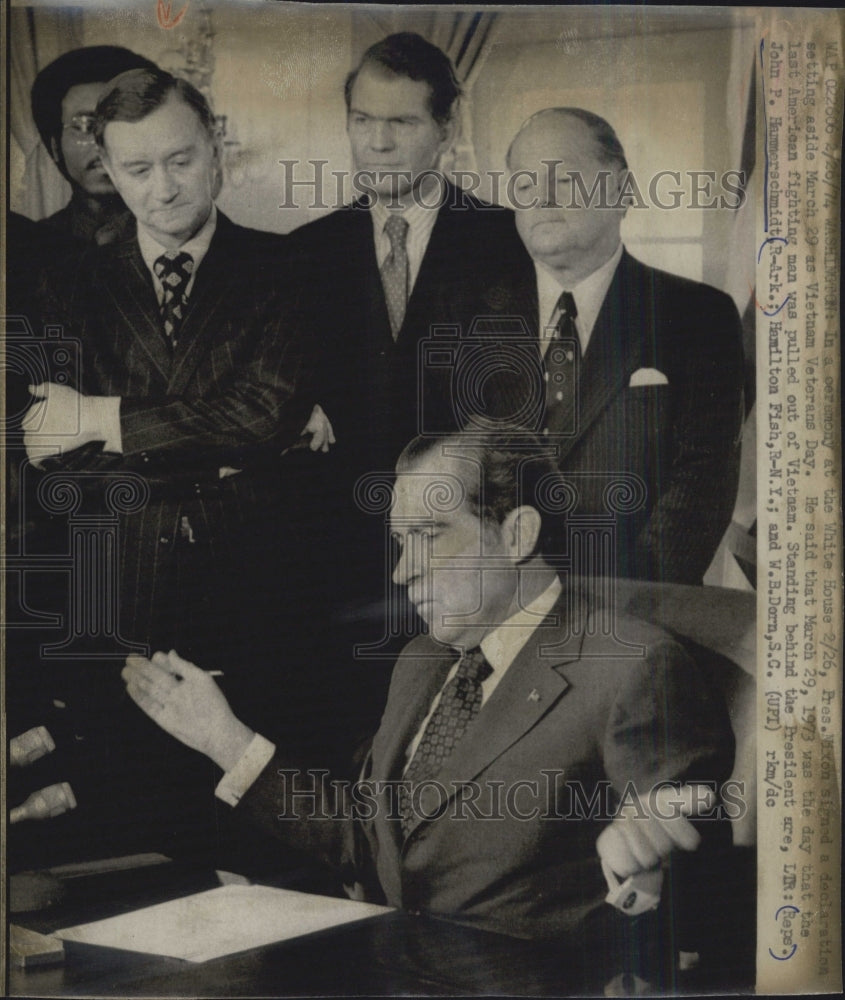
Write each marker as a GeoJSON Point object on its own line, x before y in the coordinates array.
{"type": "Point", "coordinates": [389, 955]}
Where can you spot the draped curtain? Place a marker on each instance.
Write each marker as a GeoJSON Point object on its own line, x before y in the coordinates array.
{"type": "Point", "coordinates": [36, 38]}
{"type": "Point", "coordinates": [735, 564]}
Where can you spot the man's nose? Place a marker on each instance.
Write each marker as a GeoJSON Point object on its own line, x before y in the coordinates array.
{"type": "Point", "coordinates": [402, 569]}
{"type": "Point", "coordinates": [547, 191]}
{"type": "Point", "coordinates": [165, 186]}
{"type": "Point", "coordinates": [409, 566]}
{"type": "Point", "coordinates": [381, 135]}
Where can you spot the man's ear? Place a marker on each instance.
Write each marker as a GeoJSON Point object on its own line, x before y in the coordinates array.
{"type": "Point", "coordinates": [106, 162]}
{"type": "Point", "coordinates": [520, 531]}
{"type": "Point", "coordinates": [620, 178]}
{"type": "Point", "coordinates": [448, 130]}
{"type": "Point", "coordinates": [217, 179]}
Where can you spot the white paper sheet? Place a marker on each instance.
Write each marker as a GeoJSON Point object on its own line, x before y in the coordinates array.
{"type": "Point", "coordinates": [222, 921]}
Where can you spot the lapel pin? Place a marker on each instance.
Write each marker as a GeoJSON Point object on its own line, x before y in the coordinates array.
{"type": "Point", "coordinates": [534, 696]}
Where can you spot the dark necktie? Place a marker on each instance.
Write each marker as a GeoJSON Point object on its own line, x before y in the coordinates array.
{"type": "Point", "coordinates": [394, 272]}
{"type": "Point", "coordinates": [460, 702]}
{"type": "Point", "coordinates": [173, 269]}
{"type": "Point", "coordinates": [562, 363]}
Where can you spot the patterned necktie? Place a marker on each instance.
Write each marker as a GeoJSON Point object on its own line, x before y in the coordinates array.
{"type": "Point", "coordinates": [173, 269]}
{"type": "Point", "coordinates": [460, 702]}
{"type": "Point", "coordinates": [562, 362]}
{"type": "Point", "coordinates": [394, 272]}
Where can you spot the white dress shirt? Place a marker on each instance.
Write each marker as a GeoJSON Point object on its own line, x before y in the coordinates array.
{"type": "Point", "coordinates": [420, 218]}
{"type": "Point", "coordinates": [500, 648]}
{"type": "Point", "coordinates": [589, 294]}
{"type": "Point", "coordinates": [197, 246]}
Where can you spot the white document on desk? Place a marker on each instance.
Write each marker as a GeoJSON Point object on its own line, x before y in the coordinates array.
{"type": "Point", "coordinates": [222, 921]}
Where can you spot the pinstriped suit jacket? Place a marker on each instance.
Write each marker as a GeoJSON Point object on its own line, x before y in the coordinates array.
{"type": "Point", "coordinates": [227, 397]}
{"type": "Point", "coordinates": [679, 439]}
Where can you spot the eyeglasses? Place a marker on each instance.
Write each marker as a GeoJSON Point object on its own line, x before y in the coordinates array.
{"type": "Point", "coordinates": [81, 127]}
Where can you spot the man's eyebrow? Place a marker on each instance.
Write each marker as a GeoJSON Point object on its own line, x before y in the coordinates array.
{"type": "Point", "coordinates": [421, 525]}
{"type": "Point", "coordinates": [138, 161]}
{"type": "Point", "coordinates": [402, 116]}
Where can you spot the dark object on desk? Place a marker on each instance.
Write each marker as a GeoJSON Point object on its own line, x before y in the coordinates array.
{"type": "Point", "coordinates": [32, 891]}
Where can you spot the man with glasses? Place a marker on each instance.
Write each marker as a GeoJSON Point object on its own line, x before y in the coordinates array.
{"type": "Point", "coordinates": [64, 96]}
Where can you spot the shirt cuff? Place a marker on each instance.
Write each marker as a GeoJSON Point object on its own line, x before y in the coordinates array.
{"type": "Point", "coordinates": [236, 782]}
{"type": "Point", "coordinates": [105, 412]}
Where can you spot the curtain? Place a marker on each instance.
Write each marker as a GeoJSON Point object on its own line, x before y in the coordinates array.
{"type": "Point", "coordinates": [36, 38]}
{"type": "Point", "coordinates": [735, 564]}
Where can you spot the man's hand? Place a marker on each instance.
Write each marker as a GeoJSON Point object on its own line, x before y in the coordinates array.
{"type": "Point", "coordinates": [320, 428]}
{"type": "Point", "coordinates": [62, 419]}
{"type": "Point", "coordinates": [186, 703]}
{"type": "Point", "coordinates": [643, 834]}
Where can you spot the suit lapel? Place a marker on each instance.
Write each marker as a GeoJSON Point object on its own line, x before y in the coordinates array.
{"type": "Point", "coordinates": [613, 353]}
{"type": "Point", "coordinates": [439, 248]}
{"type": "Point", "coordinates": [222, 288]}
{"type": "Point", "coordinates": [130, 287]}
{"type": "Point", "coordinates": [532, 685]}
{"type": "Point", "coordinates": [361, 266]}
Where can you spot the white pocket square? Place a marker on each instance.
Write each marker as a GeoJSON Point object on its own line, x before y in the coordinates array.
{"type": "Point", "coordinates": [647, 376]}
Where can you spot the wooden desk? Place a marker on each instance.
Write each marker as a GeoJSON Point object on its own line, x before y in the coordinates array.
{"type": "Point", "coordinates": [394, 954]}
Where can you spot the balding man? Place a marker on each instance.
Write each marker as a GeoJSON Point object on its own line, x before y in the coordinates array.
{"type": "Point", "coordinates": [643, 368]}
{"type": "Point", "coordinates": [505, 729]}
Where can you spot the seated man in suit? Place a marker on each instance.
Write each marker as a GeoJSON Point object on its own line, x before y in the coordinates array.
{"type": "Point", "coordinates": [376, 274]}
{"type": "Point", "coordinates": [645, 386]}
{"type": "Point", "coordinates": [64, 96]}
{"type": "Point", "coordinates": [189, 392]}
{"type": "Point", "coordinates": [511, 733]}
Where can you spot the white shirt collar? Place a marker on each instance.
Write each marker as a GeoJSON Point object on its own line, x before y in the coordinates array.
{"type": "Point", "coordinates": [502, 646]}
{"type": "Point", "coordinates": [420, 217]}
{"type": "Point", "coordinates": [197, 246]}
{"type": "Point", "coordinates": [589, 294]}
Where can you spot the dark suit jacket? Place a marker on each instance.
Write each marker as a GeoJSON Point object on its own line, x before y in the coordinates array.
{"type": "Point", "coordinates": [675, 446]}
{"type": "Point", "coordinates": [227, 397]}
{"type": "Point", "coordinates": [586, 708]}
{"type": "Point", "coordinates": [75, 226]}
{"type": "Point", "coordinates": [197, 556]}
{"type": "Point", "coordinates": [373, 386]}
{"type": "Point", "coordinates": [377, 392]}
